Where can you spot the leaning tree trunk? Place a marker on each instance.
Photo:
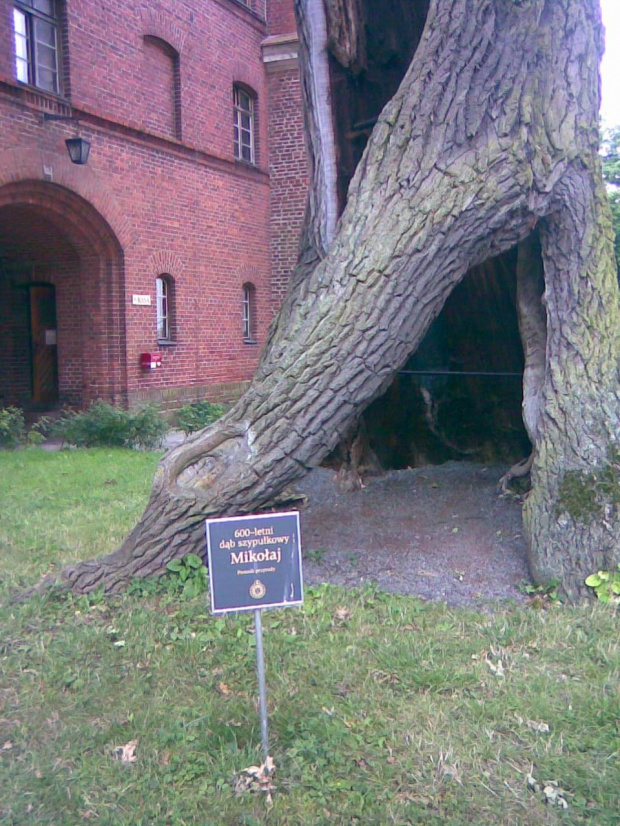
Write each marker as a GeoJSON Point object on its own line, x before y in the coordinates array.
{"type": "Point", "coordinates": [492, 131]}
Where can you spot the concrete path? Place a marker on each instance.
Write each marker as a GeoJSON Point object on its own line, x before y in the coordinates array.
{"type": "Point", "coordinates": [172, 439]}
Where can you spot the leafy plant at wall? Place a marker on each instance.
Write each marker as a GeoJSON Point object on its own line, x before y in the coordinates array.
{"type": "Point", "coordinates": [606, 585]}
{"type": "Point", "coordinates": [190, 573]}
{"type": "Point", "coordinates": [195, 416]}
{"type": "Point", "coordinates": [12, 427]}
{"type": "Point", "coordinates": [105, 426]}
{"type": "Point", "coordinates": [13, 430]}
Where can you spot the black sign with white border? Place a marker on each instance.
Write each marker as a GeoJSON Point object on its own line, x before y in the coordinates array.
{"type": "Point", "coordinates": [254, 562]}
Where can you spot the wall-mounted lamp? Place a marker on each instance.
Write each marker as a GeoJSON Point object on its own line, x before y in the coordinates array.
{"type": "Point", "coordinates": [78, 148]}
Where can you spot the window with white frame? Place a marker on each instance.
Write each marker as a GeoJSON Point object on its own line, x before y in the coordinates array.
{"type": "Point", "coordinates": [249, 313]}
{"type": "Point", "coordinates": [37, 44]}
{"type": "Point", "coordinates": [165, 297]}
{"type": "Point", "coordinates": [244, 125]}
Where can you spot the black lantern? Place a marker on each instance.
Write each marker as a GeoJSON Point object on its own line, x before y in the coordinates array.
{"type": "Point", "coordinates": [78, 149]}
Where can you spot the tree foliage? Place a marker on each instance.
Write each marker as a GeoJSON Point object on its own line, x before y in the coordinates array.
{"type": "Point", "coordinates": [611, 175]}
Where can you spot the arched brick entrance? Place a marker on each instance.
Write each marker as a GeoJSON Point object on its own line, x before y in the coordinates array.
{"type": "Point", "coordinates": [62, 317]}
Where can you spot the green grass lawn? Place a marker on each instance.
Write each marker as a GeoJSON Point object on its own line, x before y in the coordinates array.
{"type": "Point", "coordinates": [383, 709]}
{"type": "Point", "coordinates": [71, 505]}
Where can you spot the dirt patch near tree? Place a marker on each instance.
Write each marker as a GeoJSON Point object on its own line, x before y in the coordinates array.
{"type": "Point", "coordinates": [438, 532]}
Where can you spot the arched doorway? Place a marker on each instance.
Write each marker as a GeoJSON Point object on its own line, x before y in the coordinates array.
{"type": "Point", "coordinates": [62, 315]}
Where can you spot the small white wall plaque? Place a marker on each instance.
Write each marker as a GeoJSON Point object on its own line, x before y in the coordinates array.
{"type": "Point", "coordinates": [141, 300]}
{"type": "Point", "coordinates": [50, 338]}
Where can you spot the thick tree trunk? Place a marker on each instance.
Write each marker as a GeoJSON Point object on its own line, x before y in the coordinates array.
{"type": "Point", "coordinates": [493, 129]}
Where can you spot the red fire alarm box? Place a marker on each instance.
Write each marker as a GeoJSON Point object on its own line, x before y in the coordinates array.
{"type": "Point", "coordinates": [150, 361]}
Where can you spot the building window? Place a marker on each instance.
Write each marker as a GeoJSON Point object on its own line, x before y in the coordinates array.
{"type": "Point", "coordinates": [244, 123]}
{"type": "Point", "coordinates": [165, 308]}
{"type": "Point", "coordinates": [37, 44]}
{"type": "Point", "coordinates": [249, 313]}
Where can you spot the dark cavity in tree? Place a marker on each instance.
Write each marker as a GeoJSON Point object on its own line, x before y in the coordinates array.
{"type": "Point", "coordinates": [433, 419]}
{"type": "Point", "coordinates": [390, 34]}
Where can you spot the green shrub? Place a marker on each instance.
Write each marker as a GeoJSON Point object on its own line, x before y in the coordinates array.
{"type": "Point", "coordinates": [13, 431]}
{"type": "Point", "coordinates": [190, 574]}
{"type": "Point", "coordinates": [198, 415]}
{"type": "Point", "coordinates": [105, 426]}
{"type": "Point", "coordinates": [606, 585]}
{"type": "Point", "coordinates": [12, 427]}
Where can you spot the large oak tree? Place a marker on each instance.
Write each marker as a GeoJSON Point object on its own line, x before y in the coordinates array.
{"type": "Point", "coordinates": [489, 141]}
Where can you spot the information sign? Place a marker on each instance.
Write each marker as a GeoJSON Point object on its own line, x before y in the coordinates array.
{"type": "Point", "coordinates": [254, 562]}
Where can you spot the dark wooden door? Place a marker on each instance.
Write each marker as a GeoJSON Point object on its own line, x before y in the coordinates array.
{"type": "Point", "coordinates": [43, 344]}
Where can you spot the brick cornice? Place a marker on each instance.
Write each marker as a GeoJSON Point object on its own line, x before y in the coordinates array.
{"type": "Point", "coordinates": [280, 52]}
{"type": "Point", "coordinates": [18, 96]}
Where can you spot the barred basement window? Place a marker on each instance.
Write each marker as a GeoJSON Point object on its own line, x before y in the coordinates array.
{"type": "Point", "coordinates": [249, 313]}
{"type": "Point", "coordinates": [165, 307]}
{"type": "Point", "coordinates": [37, 44]}
{"type": "Point", "coordinates": [244, 125]}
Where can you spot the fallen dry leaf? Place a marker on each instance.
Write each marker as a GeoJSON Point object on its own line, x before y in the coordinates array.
{"type": "Point", "coordinates": [498, 669]}
{"type": "Point", "coordinates": [382, 677]}
{"type": "Point", "coordinates": [257, 779]}
{"type": "Point", "coordinates": [342, 614]}
{"type": "Point", "coordinates": [534, 725]}
{"type": "Point", "coordinates": [541, 728]}
{"type": "Point", "coordinates": [223, 689]}
{"type": "Point", "coordinates": [445, 768]}
{"type": "Point", "coordinates": [552, 794]}
{"type": "Point", "coordinates": [127, 753]}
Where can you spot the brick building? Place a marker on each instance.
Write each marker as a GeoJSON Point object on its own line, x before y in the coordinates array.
{"type": "Point", "coordinates": [174, 241]}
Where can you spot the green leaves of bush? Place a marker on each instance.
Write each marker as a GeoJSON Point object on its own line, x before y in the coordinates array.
{"type": "Point", "coordinates": [13, 431]}
{"type": "Point", "coordinates": [12, 427]}
{"type": "Point", "coordinates": [606, 585]}
{"type": "Point", "coordinates": [105, 426]}
{"type": "Point", "coordinates": [201, 414]}
{"type": "Point", "coordinates": [192, 575]}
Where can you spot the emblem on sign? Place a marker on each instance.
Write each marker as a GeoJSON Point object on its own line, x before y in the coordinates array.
{"type": "Point", "coordinates": [257, 589]}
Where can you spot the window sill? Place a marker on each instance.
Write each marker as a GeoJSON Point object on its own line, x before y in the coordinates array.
{"type": "Point", "coordinates": [250, 341]}
{"type": "Point", "coordinates": [39, 90]}
{"type": "Point", "coordinates": [38, 98]}
{"type": "Point", "coordinates": [250, 11]}
{"type": "Point", "coordinates": [166, 342]}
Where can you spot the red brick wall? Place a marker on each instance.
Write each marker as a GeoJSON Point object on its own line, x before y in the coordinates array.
{"type": "Point", "coordinates": [148, 203]}
{"type": "Point", "coordinates": [216, 40]}
{"type": "Point", "coordinates": [6, 38]}
{"type": "Point", "coordinates": [160, 91]}
{"type": "Point", "coordinates": [288, 176]}
{"type": "Point", "coordinates": [281, 17]}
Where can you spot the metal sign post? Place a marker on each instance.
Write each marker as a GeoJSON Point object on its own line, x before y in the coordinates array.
{"type": "Point", "coordinates": [254, 564]}
{"type": "Point", "coordinates": [262, 686]}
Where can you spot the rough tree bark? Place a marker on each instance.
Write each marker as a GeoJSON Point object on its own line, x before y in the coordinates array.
{"type": "Point", "coordinates": [493, 130]}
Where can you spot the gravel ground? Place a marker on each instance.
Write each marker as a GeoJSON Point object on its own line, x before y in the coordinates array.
{"type": "Point", "coordinates": [438, 532]}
